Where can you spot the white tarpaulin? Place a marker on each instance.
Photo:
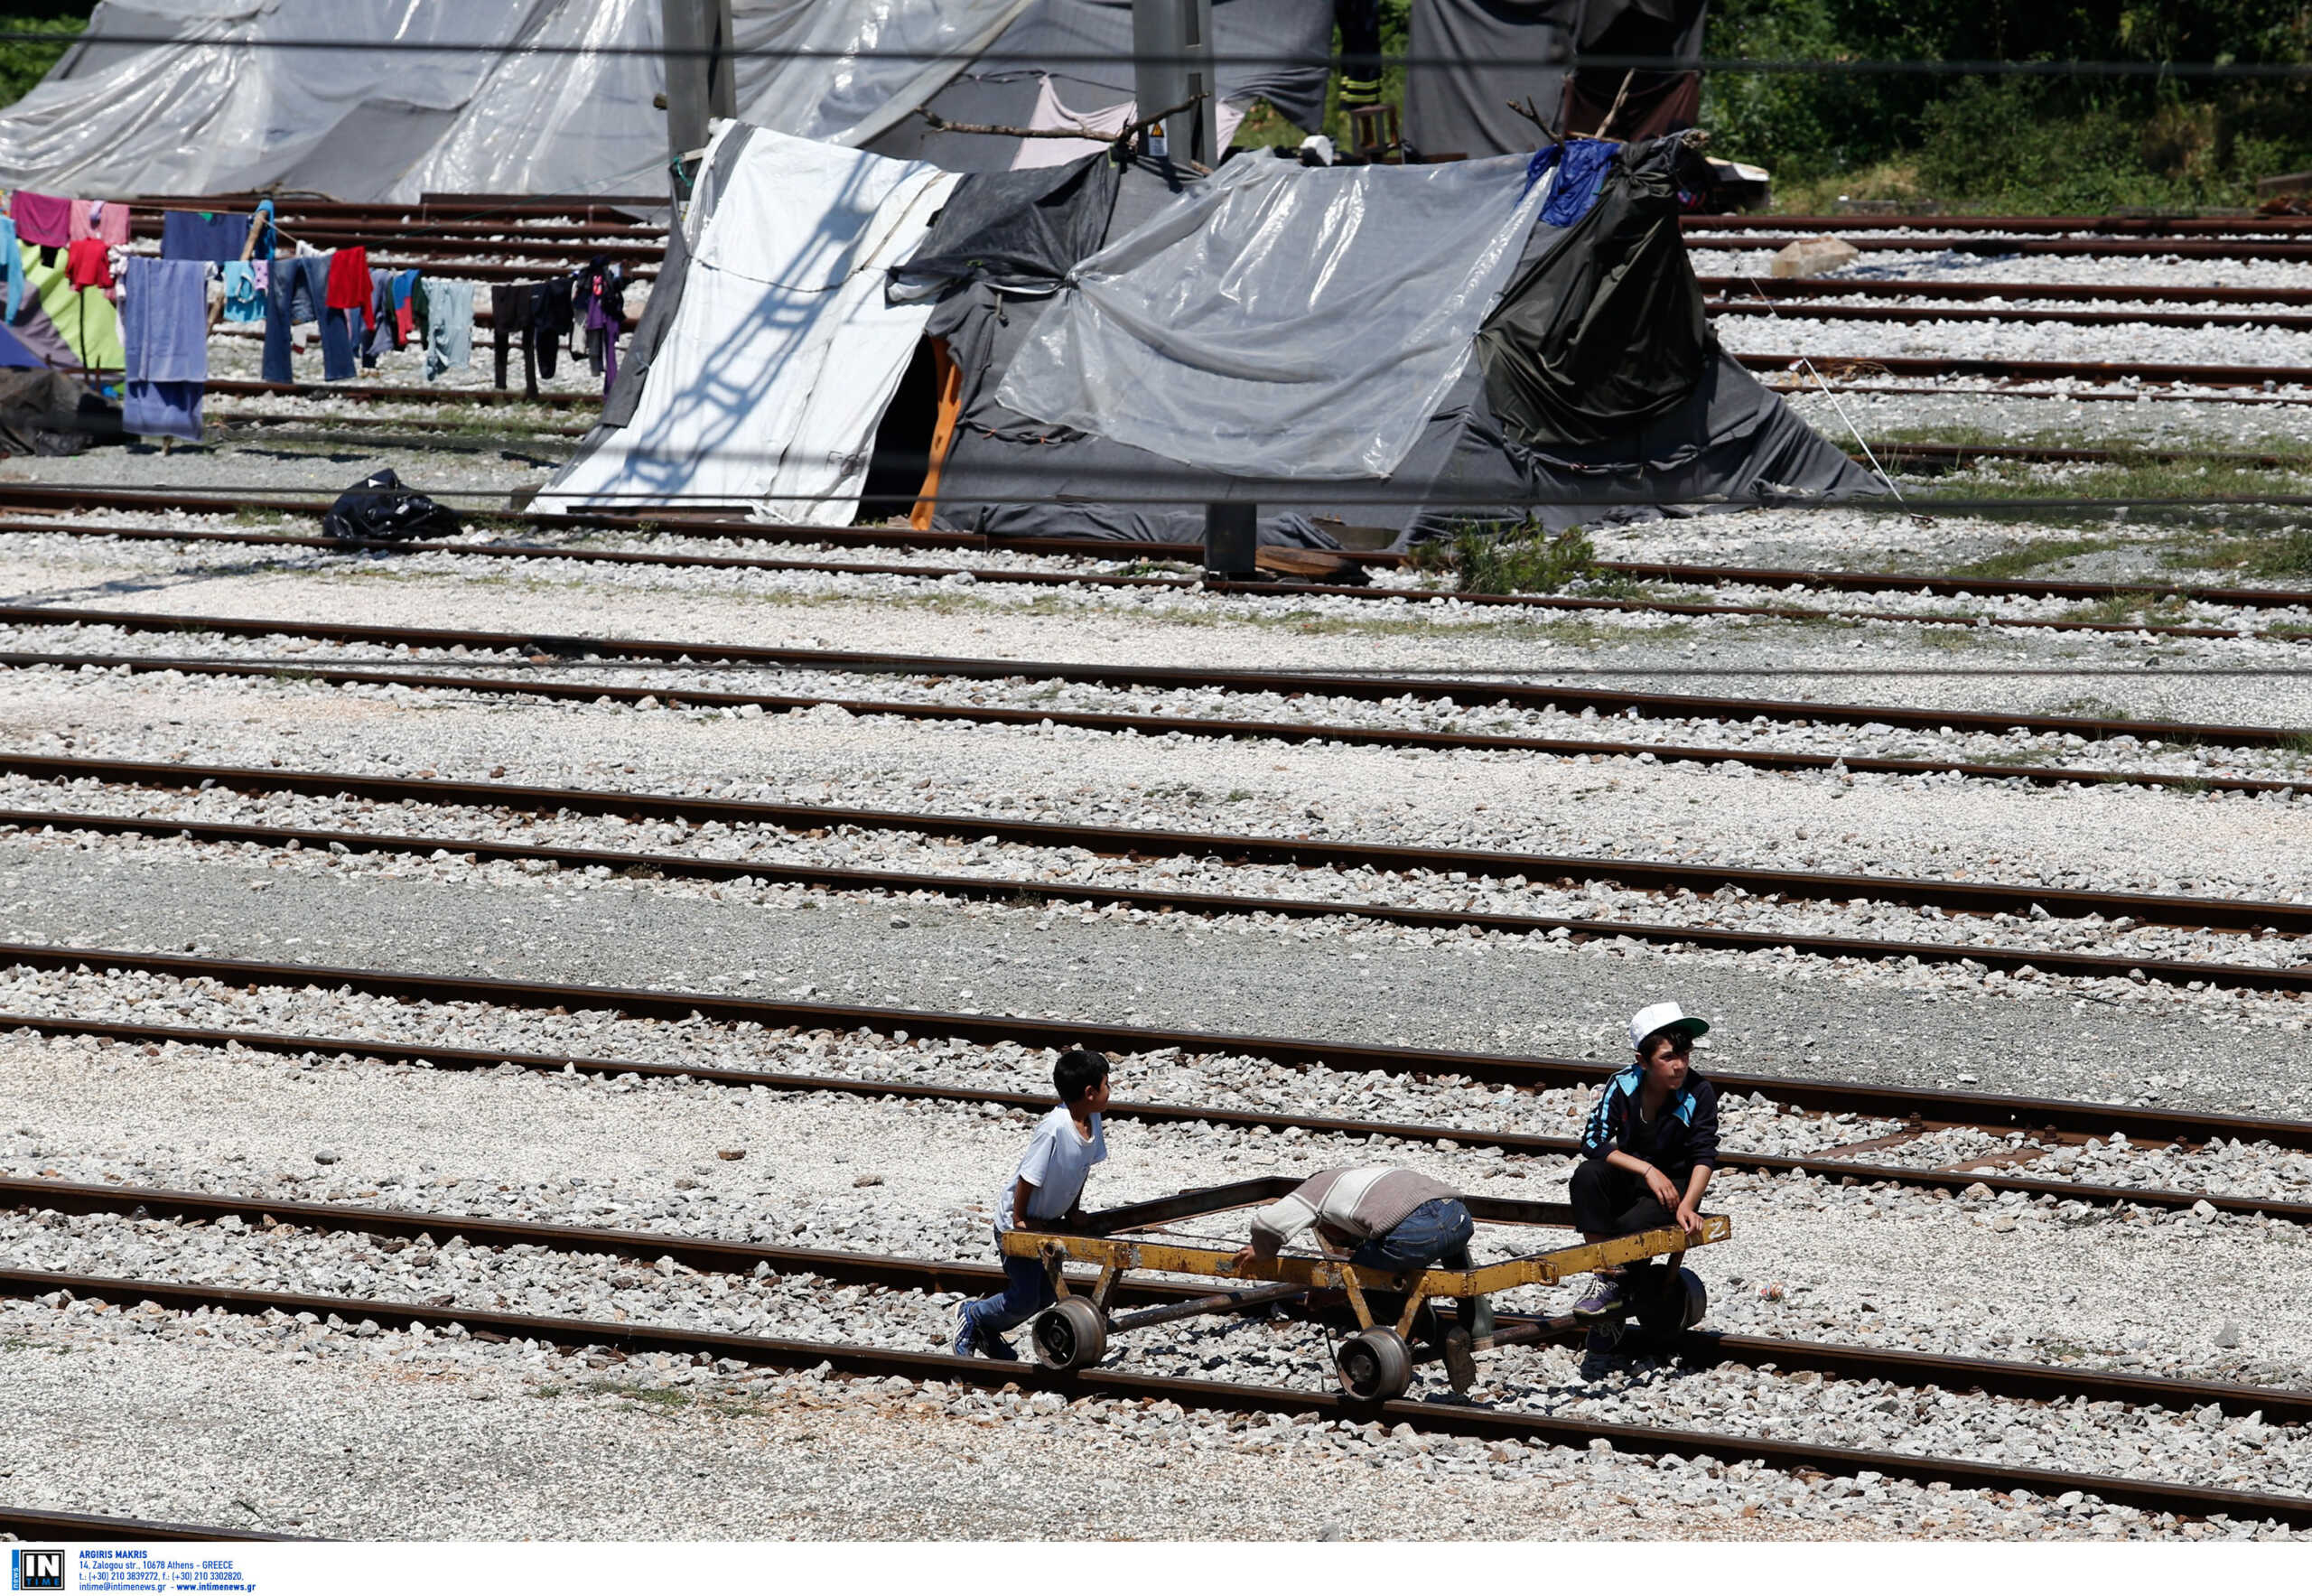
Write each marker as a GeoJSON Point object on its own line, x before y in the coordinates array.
{"type": "Point", "coordinates": [525, 96]}
{"type": "Point", "coordinates": [1278, 319]}
{"type": "Point", "coordinates": [769, 385]}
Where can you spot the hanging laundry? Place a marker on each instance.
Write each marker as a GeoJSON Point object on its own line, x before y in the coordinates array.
{"type": "Point", "coordinates": [99, 219]}
{"type": "Point", "coordinates": [384, 333]}
{"type": "Point", "coordinates": [298, 292]}
{"type": "Point", "coordinates": [349, 287]}
{"type": "Point", "coordinates": [449, 324]}
{"type": "Point", "coordinates": [1585, 161]}
{"type": "Point", "coordinates": [204, 234]}
{"type": "Point", "coordinates": [56, 321]}
{"type": "Point", "coordinates": [11, 262]}
{"type": "Point", "coordinates": [539, 314]}
{"type": "Point", "coordinates": [244, 292]}
{"type": "Point", "coordinates": [598, 304]}
{"type": "Point", "coordinates": [87, 264]}
{"type": "Point", "coordinates": [405, 289]}
{"type": "Point", "coordinates": [41, 218]}
{"type": "Point", "coordinates": [164, 325]}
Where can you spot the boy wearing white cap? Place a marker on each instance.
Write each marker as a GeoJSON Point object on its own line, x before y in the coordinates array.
{"type": "Point", "coordinates": [1649, 1146]}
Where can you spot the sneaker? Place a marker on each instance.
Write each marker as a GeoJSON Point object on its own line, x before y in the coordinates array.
{"type": "Point", "coordinates": [966, 1332]}
{"type": "Point", "coordinates": [992, 1345]}
{"type": "Point", "coordinates": [1609, 1301]}
{"type": "Point", "coordinates": [1604, 1340]}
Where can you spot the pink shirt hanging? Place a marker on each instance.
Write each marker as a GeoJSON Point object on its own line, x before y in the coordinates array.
{"type": "Point", "coordinates": [99, 219]}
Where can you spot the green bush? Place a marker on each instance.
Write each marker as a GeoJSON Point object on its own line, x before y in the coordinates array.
{"type": "Point", "coordinates": [1509, 557]}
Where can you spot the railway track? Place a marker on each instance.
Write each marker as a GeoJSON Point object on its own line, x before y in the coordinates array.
{"type": "Point", "coordinates": [1465, 693]}
{"type": "Point", "coordinates": [1950, 243]}
{"type": "Point", "coordinates": [2139, 376]}
{"type": "Point", "coordinates": [1813, 310]}
{"type": "Point", "coordinates": [51, 1524]}
{"type": "Point", "coordinates": [1911, 288]}
{"type": "Point", "coordinates": [712, 1255]}
{"type": "Point", "coordinates": [1830, 1166]}
{"type": "Point", "coordinates": [1451, 1419]}
{"type": "Point", "coordinates": [1978, 897]}
{"type": "Point", "coordinates": [1925, 1105]}
{"type": "Point", "coordinates": [28, 499]}
{"type": "Point", "coordinates": [1164, 725]}
{"type": "Point", "coordinates": [999, 575]}
{"type": "Point", "coordinates": [2292, 921]}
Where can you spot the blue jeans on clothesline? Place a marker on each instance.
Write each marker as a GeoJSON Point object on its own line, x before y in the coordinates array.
{"type": "Point", "coordinates": [298, 292]}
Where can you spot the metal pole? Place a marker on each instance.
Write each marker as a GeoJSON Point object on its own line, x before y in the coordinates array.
{"type": "Point", "coordinates": [1171, 44]}
{"type": "Point", "coordinates": [701, 78]}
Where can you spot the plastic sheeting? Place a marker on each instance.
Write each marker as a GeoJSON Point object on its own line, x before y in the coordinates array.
{"type": "Point", "coordinates": [1282, 321]}
{"type": "Point", "coordinates": [1077, 53]}
{"type": "Point", "coordinates": [1023, 232]}
{"type": "Point", "coordinates": [499, 109]}
{"type": "Point", "coordinates": [767, 386]}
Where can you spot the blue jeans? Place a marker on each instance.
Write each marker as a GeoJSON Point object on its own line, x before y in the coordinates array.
{"type": "Point", "coordinates": [1437, 1232]}
{"type": "Point", "coordinates": [1026, 1292]}
{"type": "Point", "coordinates": [298, 291]}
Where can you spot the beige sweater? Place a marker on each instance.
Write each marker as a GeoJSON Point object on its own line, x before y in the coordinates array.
{"type": "Point", "coordinates": [1358, 1204]}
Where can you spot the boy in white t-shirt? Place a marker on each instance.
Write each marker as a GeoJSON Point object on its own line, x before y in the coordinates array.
{"type": "Point", "coordinates": [1045, 1190]}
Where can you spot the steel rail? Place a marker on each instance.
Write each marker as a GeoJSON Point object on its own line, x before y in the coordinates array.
{"type": "Point", "coordinates": [1286, 588]}
{"type": "Point", "coordinates": [2143, 373]}
{"type": "Point", "coordinates": [1961, 244]}
{"type": "Point", "coordinates": [2160, 226]}
{"type": "Point", "coordinates": [2142, 223]}
{"type": "Point", "coordinates": [1528, 1145]}
{"type": "Point", "coordinates": [243, 387]}
{"type": "Point", "coordinates": [1012, 890]}
{"type": "Point", "coordinates": [53, 1523]}
{"type": "Point", "coordinates": [44, 498]}
{"type": "Point", "coordinates": [1811, 312]}
{"type": "Point", "coordinates": [1988, 897]}
{"type": "Point", "coordinates": [1146, 725]}
{"type": "Point", "coordinates": [714, 1256]}
{"type": "Point", "coordinates": [60, 497]}
{"type": "Point", "coordinates": [1930, 288]}
{"type": "Point", "coordinates": [1794, 384]}
{"type": "Point", "coordinates": [1452, 1419]}
{"type": "Point", "coordinates": [1932, 1106]}
{"type": "Point", "coordinates": [1466, 693]}
{"type": "Point", "coordinates": [1984, 897]}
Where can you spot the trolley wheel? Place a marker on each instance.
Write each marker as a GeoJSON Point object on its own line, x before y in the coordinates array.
{"type": "Point", "coordinates": [1071, 1335]}
{"type": "Point", "coordinates": [1376, 1366]}
{"type": "Point", "coordinates": [1679, 1304]}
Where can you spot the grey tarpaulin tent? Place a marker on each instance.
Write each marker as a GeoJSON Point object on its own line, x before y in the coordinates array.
{"type": "Point", "coordinates": [1568, 403]}
{"type": "Point", "coordinates": [1270, 50]}
{"type": "Point", "coordinates": [506, 97]}
{"type": "Point", "coordinates": [1494, 52]}
{"type": "Point", "coordinates": [1597, 393]}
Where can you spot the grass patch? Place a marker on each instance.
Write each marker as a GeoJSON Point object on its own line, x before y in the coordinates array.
{"type": "Point", "coordinates": [2129, 609]}
{"type": "Point", "coordinates": [2283, 553]}
{"type": "Point", "coordinates": [2029, 557]}
{"type": "Point", "coordinates": [1509, 557]}
{"type": "Point", "coordinates": [667, 1398]}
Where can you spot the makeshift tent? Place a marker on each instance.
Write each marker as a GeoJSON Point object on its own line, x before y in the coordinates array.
{"type": "Point", "coordinates": [1491, 53]}
{"type": "Point", "coordinates": [769, 377]}
{"type": "Point", "coordinates": [510, 102]}
{"type": "Point", "coordinates": [1054, 302]}
{"type": "Point", "coordinates": [1068, 62]}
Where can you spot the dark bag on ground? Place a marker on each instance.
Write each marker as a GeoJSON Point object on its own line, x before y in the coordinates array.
{"type": "Point", "coordinates": [378, 509]}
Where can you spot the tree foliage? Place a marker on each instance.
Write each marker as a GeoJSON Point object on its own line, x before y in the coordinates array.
{"type": "Point", "coordinates": [2059, 142]}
